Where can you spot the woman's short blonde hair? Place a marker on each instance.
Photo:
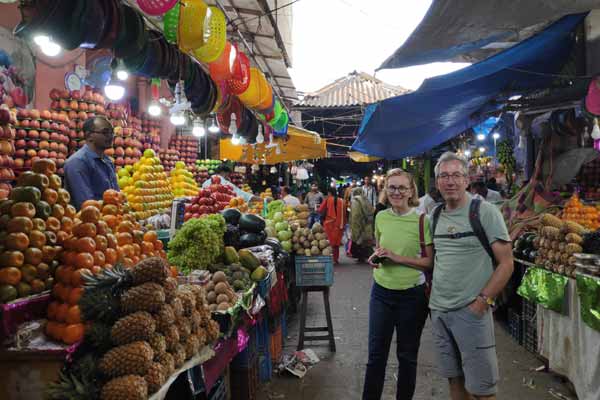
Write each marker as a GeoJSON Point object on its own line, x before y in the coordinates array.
{"type": "Point", "coordinates": [413, 201]}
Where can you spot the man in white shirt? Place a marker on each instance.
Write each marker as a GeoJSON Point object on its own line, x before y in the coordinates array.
{"type": "Point", "coordinates": [429, 202]}
{"type": "Point", "coordinates": [287, 197]}
{"type": "Point", "coordinates": [480, 190]}
{"type": "Point", "coordinates": [370, 191]}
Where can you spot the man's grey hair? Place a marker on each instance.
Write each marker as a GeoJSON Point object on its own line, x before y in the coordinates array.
{"type": "Point", "coordinates": [450, 156]}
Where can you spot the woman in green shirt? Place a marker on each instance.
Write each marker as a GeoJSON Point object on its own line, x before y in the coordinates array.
{"type": "Point", "coordinates": [398, 299]}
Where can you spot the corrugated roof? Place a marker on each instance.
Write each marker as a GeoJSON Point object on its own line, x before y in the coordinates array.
{"type": "Point", "coordinates": [355, 89]}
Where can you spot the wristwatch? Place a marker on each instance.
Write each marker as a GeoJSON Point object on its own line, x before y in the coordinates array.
{"type": "Point", "coordinates": [488, 300]}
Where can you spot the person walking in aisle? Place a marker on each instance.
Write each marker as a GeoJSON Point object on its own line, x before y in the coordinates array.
{"type": "Point", "coordinates": [473, 263]}
{"type": "Point", "coordinates": [288, 198]}
{"type": "Point", "coordinates": [313, 199]}
{"type": "Point", "coordinates": [370, 191]}
{"type": "Point", "coordinates": [333, 212]}
{"type": "Point", "coordinates": [404, 252]}
{"type": "Point", "coordinates": [361, 226]}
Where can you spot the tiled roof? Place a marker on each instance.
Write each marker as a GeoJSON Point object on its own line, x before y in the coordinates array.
{"type": "Point", "coordinates": [355, 89]}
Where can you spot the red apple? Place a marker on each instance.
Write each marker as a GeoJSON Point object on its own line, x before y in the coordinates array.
{"type": "Point", "coordinates": [45, 125]}
{"type": "Point", "coordinates": [21, 134]}
{"type": "Point", "coordinates": [76, 94]}
{"type": "Point", "coordinates": [19, 162]}
{"type": "Point", "coordinates": [54, 126]}
{"type": "Point", "coordinates": [34, 113]}
{"type": "Point", "coordinates": [55, 94]}
{"type": "Point", "coordinates": [43, 153]}
{"type": "Point", "coordinates": [35, 124]}
{"type": "Point", "coordinates": [32, 144]}
{"type": "Point", "coordinates": [31, 153]}
{"type": "Point", "coordinates": [53, 154]}
{"type": "Point", "coordinates": [46, 114]}
{"type": "Point", "coordinates": [33, 134]}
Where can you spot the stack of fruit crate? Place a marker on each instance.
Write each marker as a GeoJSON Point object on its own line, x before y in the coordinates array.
{"type": "Point", "coordinates": [530, 326]}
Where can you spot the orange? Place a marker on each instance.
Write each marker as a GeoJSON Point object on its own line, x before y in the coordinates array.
{"type": "Point", "coordinates": [112, 240]}
{"type": "Point", "coordinates": [77, 278]}
{"type": "Point", "coordinates": [91, 203]}
{"type": "Point", "coordinates": [110, 209]}
{"type": "Point", "coordinates": [99, 258]}
{"type": "Point", "coordinates": [53, 224]}
{"type": "Point", "coordinates": [124, 238]}
{"type": "Point", "coordinates": [84, 230]}
{"type": "Point", "coordinates": [86, 245]}
{"type": "Point", "coordinates": [10, 276]}
{"type": "Point", "coordinates": [111, 256]}
{"type": "Point", "coordinates": [158, 245]}
{"type": "Point", "coordinates": [61, 312]}
{"type": "Point", "coordinates": [71, 244]}
{"type": "Point", "coordinates": [84, 260]}
{"type": "Point", "coordinates": [70, 211]}
{"type": "Point", "coordinates": [73, 333]}
{"type": "Point", "coordinates": [151, 236]}
{"type": "Point", "coordinates": [52, 308]}
{"type": "Point", "coordinates": [111, 197]}
{"type": "Point", "coordinates": [147, 247]}
{"type": "Point", "coordinates": [111, 220]}
{"type": "Point", "coordinates": [101, 243]}
{"type": "Point", "coordinates": [125, 226]}
{"type": "Point", "coordinates": [90, 214]}
{"type": "Point", "coordinates": [102, 228]}
{"type": "Point", "coordinates": [18, 241]}
{"type": "Point", "coordinates": [73, 315]}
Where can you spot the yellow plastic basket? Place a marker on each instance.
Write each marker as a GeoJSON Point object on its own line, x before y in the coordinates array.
{"type": "Point", "coordinates": [192, 16]}
{"type": "Point", "coordinates": [215, 36]}
{"type": "Point", "coordinates": [258, 90]}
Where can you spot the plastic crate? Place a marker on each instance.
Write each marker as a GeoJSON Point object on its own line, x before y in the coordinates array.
{"type": "Point", "coordinates": [164, 236]}
{"type": "Point", "coordinates": [265, 368]}
{"type": "Point", "coordinates": [515, 325]}
{"type": "Point", "coordinates": [219, 390]}
{"type": "Point", "coordinates": [314, 271]}
{"type": "Point", "coordinates": [244, 382]}
{"type": "Point", "coordinates": [530, 326]}
{"type": "Point", "coordinates": [276, 346]}
{"type": "Point", "coordinates": [244, 359]}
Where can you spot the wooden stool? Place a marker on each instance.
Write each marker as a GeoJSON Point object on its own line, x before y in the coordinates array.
{"type": "Point", "coordinates": [304, 328]}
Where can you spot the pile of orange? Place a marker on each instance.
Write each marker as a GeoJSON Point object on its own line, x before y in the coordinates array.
{"type": "Point", "coordinates": [239, 203]}
{"type": "Point", "coordinates": [34, 223]}
{"type": "Point", "coordinates": [576, 211]}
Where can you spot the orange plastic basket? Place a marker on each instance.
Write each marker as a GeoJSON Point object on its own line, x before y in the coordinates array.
{"type": "Point", "coordinates": [192, 19]}
{"type": "Point", "coordinates": [251, 97]}
{"type": "Point", "coordinates": [240, 77]}
{"type": "Point", "coordinates": [221, 68]}
{"type": "Point", "coordinates": [215, 33]}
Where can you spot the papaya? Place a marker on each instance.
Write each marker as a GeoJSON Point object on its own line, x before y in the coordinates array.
{"type": "Point", "coordinates": [27, 194]}
{"type": "Point", "coordinates": [29, 178]}
{"type": "Point", "coordinates": [231, 255]}
{"type": "Point", "coordinates": [43, 210]}
{"type": "Point", "coordinates": [248, 259]}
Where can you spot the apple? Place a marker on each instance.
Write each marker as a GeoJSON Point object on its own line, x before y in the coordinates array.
{"type": "Point", "coordinates": [76, 94]}
{"type": "Point", "coordinates": [80, 124]}
{"type": "Point", "coordinates": [33, 134]}
{"type": "Point", "coordinates": [119, 161]}
{"type": "Point", "coordinates": [51, 136]}
{"type": "Point", "coordinates": [19, 162]}
{"type": "Point", "coordinates": [21, 134]}
{"type": "Point", "coordinates": [43, 153]}
{"type": "Point", "coordinates": [32, 144]}
{"type": "Point", "coordinates": [34, 114]}
{"type": "Point", "coordinates": [72, 124]}
{"type": "Point", "coordinates": [54, 126]}
{"type": "Point", "coordinates": [72, 114]}
{"type": "Point", "coordinates": [52, 154]}
{"type": "Point", "coordinates": [53, 146]}
{"type": "Point", "coordinates": [31, 153]}
{"type": "Point", "coordinates": [34, 124]}
{"type": "Point", "coordinates": [82, 115]}
{"type": "Point", "coordinates": [83, 107]}
{"type": "Point", "coordinates": [81, 135]}
{"type": "Point", "coordinates": [24, 123]}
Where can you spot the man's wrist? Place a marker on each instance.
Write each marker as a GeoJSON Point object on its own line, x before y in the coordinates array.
{"type": "Point", "coordinates": [487, 299]}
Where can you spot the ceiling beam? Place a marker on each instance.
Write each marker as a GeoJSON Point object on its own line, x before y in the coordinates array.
{"type": "Point", "coordinates": [278, 38]}
{"type": "Point", "coordinates": [256, 13]}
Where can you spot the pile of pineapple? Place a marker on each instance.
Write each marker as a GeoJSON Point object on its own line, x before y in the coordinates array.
{"type": "Point", "coordinates": [556, 243]}
{"type": "Point", "coordinates": [143, 326]}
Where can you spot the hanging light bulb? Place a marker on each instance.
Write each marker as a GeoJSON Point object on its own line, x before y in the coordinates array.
{"type": "Point", "coordinates": [178, 118]}
{"type": "Point", "coordinates": [596, 130]}
{"type": "Point", "coordinates": [260, 138]}
{"type": "Point", "coordinates": [233, 124]}
{"type": "Point", "coordinates": [235, 140]}
{"type": "Point", "coordinates": [482, 149]}
{"type": "Point", "coordinates": [481, 137]}
{"type": "Point", "coordinates": [468, 153]}
{"type": "Point", "coordinates": [496, 136]}
{"type": "Point", "coordinates": [198, 130]}
{"type": "Point", "coordinates": [154, 109]}
{"type": "Point", "coordinates": [273, 170]}
{"type": "Point", "coordinates": [51, 49]}
{"type": "Point", "coordinates": [114, 89]}
{"type": "Point", "coordinates": [242, 140]}
{"type": "Point", "coordinates": [213, 127]}
{"type": "Point", "coordinates": [41, 40]}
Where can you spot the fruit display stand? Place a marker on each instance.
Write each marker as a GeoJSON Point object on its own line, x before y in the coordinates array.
{"type": "Point", "coordinates": [8, 119]}
{"type": "Point", "coordinates": [150, 133]}
{"type": "Point", "coordinates": [168, 158]}
{"type": "Point", "coordinates": [182, 181]}
{"type": "Point", "coordinates": [187, 147]}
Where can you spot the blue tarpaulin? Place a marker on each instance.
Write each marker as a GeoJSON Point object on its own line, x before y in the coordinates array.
{"type": "Point", "coordinates": [448, 105]}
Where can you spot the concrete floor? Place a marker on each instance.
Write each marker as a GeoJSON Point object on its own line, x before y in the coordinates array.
{"type": "Point", "coordinates": [340, 375]}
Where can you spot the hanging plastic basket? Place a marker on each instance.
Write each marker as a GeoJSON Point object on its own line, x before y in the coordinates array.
{"type": "Point", "coordinates": [221, 68]}
{"type": "Point", "coordinates": [215, 35]}
{"type": "Point", "coordinates": [171, 24]}
{"type": "Point", "coordinates": [240, 77]}
{"type": "Point", "coordinates": [156, 7]}
{"type": "Point", "coordinates": [224, 117]}
{"type": "Point", "coordinates": [281, 124]}
{"type": "Point", "coordinates": [192, 16]}
{"type": "Point", "coordinates": [251, 96]}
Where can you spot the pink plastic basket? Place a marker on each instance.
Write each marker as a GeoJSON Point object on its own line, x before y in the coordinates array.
{"type": "Point", "coordinates": [156, 7]}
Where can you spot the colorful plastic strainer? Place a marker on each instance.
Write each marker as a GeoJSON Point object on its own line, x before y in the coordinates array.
{"type": "Point", "coordinates": [240, 77]}
{"type": "Point", "coordinates": [171, 24]}
{"type": "Point", "coordinates": [251, 96]}
{"type": "Point", "coordinates": [192, 16]}
{"type": "Point", "coordinates": [215, 36]}
{"type": "Point", "coordinates": [266, 98]}
{"type": "Point", "coordinates": [220, 69]}
{"type": "Point", "coordinates": [156, 7]}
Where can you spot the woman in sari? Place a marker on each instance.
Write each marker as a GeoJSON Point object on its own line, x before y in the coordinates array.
{"type": "Point", "coordinates": [361, 224]}
{"type": "Point", "coordinates": [333, 214]}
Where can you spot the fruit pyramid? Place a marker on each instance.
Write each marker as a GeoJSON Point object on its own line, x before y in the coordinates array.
{"type": "Point", "coordinates": [148, 191]}
{"type": "Point", "coordinates": [576, 211]}
{"type": "Point", "coordinates": [35, 221]}
{"type": "Point", "coordinates": [7, 150]}
{"type": "Point", "coordinates": [182, 181]}
{"type": "Point", "coordinates": [151, 328]}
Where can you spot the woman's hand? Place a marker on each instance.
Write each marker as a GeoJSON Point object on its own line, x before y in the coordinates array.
{"type": "Point", "coordinates": [390, 255]}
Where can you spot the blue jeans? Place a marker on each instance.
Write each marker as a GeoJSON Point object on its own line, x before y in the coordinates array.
{"type": "Point", "coordinates": [405, 311]}
{"type": "Point", "coordinates": [313, 218]}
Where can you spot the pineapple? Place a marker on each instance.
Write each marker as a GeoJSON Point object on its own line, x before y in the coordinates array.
{"type": "Point", "coordinates": [130, 359]}
{"type": "Point", "coordinates": [153, 269]}
{"type": "Point", "coordinates": [170, 286]}
{"type": "Point", "coordinates": [199, 294]}
{"type": "Point", "coordinates": [172, 337]}
{"type": "Point", "coordinates": [134, 327]}
{"type": "Point", "coordinates": [168, 362]}
{"type": "Point", "coordinates": [155, 377]}
{"type": "Point", "coordinates": [98, 336]}
{"type": "Point", "coordinates": [574, 227]}
{"type": "Point", "coordinates": [179, 355]}
{"type": "Point", "coordinates": [128, 387]}
{"type": "Point", "coordinates": [192, 346]}
{"type": "Point", "coordinates": [99, 304]}
{"type": "Point", "coordinates": [184, 326]}
{"type": "Point", "coordinates": [196, 320]}
{"type": "Point", "coordinates": [158, 343]}
{"type": "Point", "coordinates": [551, 220]}
{"type": "Point", "coordinates": [76, 383]}
{"type": "Point", "coordinates": [148, 297]}
{"type": "Point", "coordinates": [212, 331]}
{"type": "Point", "coordinates": [188, 300]}
{"type": "Point", "coordinates": [177, 305]}
{"type": "Point", "coordinates": [165, 318]}
{"type": "Point", "coordinates": [573, 248]}
{"type": "Point", "coordinates": [574, 238]}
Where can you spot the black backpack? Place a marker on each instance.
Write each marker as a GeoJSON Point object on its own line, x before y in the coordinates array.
{"type": "Point", "coordinates": [476, 226]}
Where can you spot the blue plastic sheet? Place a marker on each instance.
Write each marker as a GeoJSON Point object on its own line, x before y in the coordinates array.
{"type": "Point", "coordinates": [448, 105]}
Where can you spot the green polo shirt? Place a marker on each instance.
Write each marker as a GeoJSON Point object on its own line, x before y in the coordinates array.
{"type": "Point", "coordinates": [399, 234]}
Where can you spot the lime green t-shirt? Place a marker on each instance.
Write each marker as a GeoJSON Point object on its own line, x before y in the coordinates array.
{"type": "Point", "coordinates": [399, 234]}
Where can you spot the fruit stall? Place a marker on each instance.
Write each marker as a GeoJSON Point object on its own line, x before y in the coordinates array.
{"type": "Point", "coordinates": [554, 221]}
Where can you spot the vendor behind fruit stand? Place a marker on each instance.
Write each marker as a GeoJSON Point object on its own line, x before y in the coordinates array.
{"type": "Point", "coordinates": [223, 171]}
{"type": "Point", "coordinates": [89, 172]}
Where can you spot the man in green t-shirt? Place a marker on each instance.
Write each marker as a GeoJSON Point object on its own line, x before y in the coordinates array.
{"type": "Point", "coordinates": [465, 284]}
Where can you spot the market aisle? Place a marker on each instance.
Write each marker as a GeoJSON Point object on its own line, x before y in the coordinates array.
{"type": "Point", "coordinates": [340, 375]}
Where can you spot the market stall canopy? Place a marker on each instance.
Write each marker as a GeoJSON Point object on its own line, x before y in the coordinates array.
{"type": "Point", "coordinates": [299, 144]}
{"type": "Point", "coordinates": [473, 30]}
{"type": "Point", "coordinates": [357, 156]}
{"type": "Point", "coordinates": [447, 105]}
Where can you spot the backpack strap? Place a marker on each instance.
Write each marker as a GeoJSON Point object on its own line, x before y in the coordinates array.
{"type": "Point", "coordinates": [435, 218]}
{"type": "Point", "coordinates": [475, 221]}
{"type": "Point", "coordinates": [422, 234]}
